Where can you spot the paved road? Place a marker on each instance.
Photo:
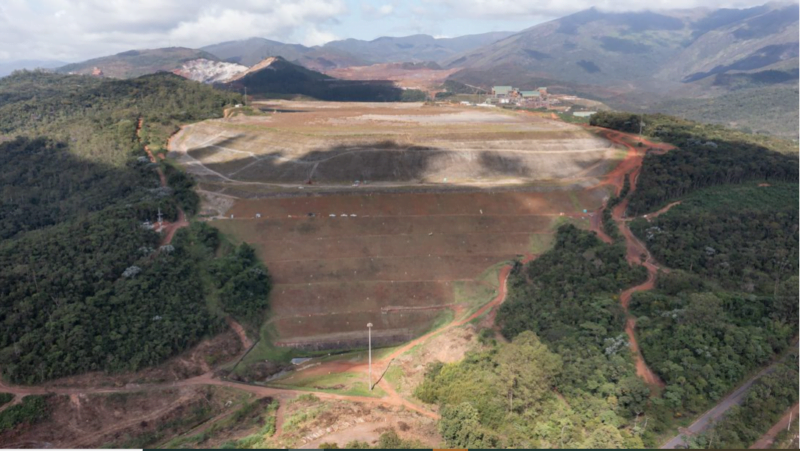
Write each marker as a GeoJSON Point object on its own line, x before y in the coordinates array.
{"type": "Point", "coordinates": [708, 418]}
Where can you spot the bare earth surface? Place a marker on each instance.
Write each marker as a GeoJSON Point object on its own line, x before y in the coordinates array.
{"type": "Point", "coordinates": [767, 440]}
{"type": "Point", "coordinates": [319, 145]}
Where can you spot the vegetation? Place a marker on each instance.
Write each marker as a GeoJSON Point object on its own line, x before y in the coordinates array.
{"type": "Point", "coordinates": [259, 414]}
{"type": "Point", "coordinates": [707, 155]}
{"type": "Point", "coordinates": [744, 236]}
{"type": "Point", "coordinates": [97, 119]}
{"type": "Point", "coordinates": [387, 440]}
{"type": "Point", "coordinates": [135, 63]}
{"type": "Point", "coordinates": [567, 338]}
{"type": "Point", "coordinates": [609, 225]}
{"type": "Point", "coordinates": [728, 306]}
{"type": "Point", "coordinates": [32, 409]}
{"type": "Point", "coordinates": [74, 248]}
{"type": "Point", "coordinates": [766, 401]}
{"type": "Point", "coordinates": [566, 293]}
{"type": "Point", "coordinates": [756, 100]}
{"type": "Point", "coordinates": [732, 306]}
{"type": "Point", "coordinates": [243, 283]}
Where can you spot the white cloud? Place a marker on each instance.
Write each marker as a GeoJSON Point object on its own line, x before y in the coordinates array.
{"type": "Point", "coordinates": [315, 36]}
{"type": "Point", "coordinates": [371, 11]}
{"type": "Point", "coordinates": [525, 9]}
{"type": "Point", "coordinates": [80, 29]}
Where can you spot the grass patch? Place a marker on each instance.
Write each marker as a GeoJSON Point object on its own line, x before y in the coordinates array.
{"type": "Point", "coordinates": [251, 415]}
{"type": "Point", "coordinates": [394, 375]}
{"type": "Point", "coordinates": [541, 243]}
{"type": "Point", "coordinates": [31, 410]}
{"type": "Point", "coordinates": [351, 384]}
{"type": "Point", "coordinates": [581, 223]}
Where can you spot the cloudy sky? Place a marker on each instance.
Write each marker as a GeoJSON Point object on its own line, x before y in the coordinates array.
{"type": "Point", "coordinates": [75, 30]}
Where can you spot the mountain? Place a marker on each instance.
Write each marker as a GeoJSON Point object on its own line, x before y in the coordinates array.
{"type": "Point", "coordinates": [134, 63]}
{"type": "Point", "coordinates": [251, 51]}
{"type": "Point", "coordinates": [640, 60]}
{"type": "Point", "coordinates": [415, 48]}
{"type": "Point", "coordinates": [10, 66]}
{"type": "Point", "coordinates": [352, 52]}
{"type": "Point", "coordinates": [275, 76]}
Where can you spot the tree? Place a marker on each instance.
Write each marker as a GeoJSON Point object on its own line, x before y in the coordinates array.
{"type": "Point", "coordinates": [526, 368]}
{"type": "Point", "coordinates": [605, 437]}
{"type": "Point", "coordinates": [460, 428]}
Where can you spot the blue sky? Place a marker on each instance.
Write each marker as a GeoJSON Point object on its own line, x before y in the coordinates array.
{"type": "Point", "coordinates": [75, 30]}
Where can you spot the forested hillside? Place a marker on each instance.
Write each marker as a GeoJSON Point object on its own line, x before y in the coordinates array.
{"type": "Point", "coordinates": [84, 285]}
{"type": "Point", "coordinates": [707, 155]}
{"type": "Point", "coordinates": [567, 379]}
{"type": "Point", "coordinates": [730, 304]}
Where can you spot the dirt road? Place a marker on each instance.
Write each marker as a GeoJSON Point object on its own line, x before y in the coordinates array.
{"type": "Point", "coordinates": [169, 228]}
{"type": "Point", "coordinates": [631, 167]}
{"type": "Point", "coordinates": [766, 440]}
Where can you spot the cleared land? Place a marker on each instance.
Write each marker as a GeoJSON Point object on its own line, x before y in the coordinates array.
{"type": "Point", "coordinates": [452, 191]}
{"type": "Point", "coordinates": [387, 145]}
{"type": "Point", "coordinates": [396, 260]}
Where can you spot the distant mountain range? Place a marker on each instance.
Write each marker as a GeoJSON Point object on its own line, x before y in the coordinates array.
{"type": "Point", "coordinates": [353, 52]}
{"type": "Point", "coordinates": [10, 66]}
{"type": "Point", "coordinates": [676, 61]}
{"type": "Point", "coordinates": [652, 50]}
{"type": "Point", "coordinates": [135, 63]}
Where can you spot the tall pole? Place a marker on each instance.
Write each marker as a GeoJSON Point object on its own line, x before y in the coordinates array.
{"type": "Point", "coordinates": [369, 328]}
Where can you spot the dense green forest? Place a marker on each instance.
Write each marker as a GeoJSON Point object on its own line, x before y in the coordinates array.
{"type": "Point", "coordinates": [566, 379]}
{"type": "Point", "coordinates": [766, 401]}
{"type": "Point", "coordinates": [730, 304]}
{"type": "Point", "coordinates": [707, 155]}
{"type": "Point", "coordinates": [84, 284]}
{"type": "Point", "coordinates": [743, 236]}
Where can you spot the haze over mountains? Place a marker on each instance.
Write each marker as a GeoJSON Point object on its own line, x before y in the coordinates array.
{"type": "Point", "coordinates": [724, 65]}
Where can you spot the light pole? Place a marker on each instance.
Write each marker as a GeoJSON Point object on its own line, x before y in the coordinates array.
{"type": "Point", "coordinates": [369, 328]}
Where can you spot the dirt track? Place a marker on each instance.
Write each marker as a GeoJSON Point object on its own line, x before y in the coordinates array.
{"type": "Point", "coordinates": [768, 439]}
{"type": "Point", "coordinates": [631, 167]}
{"type": "Point", "coordinates": [169, 228]}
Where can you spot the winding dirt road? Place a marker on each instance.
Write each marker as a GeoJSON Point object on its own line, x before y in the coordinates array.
{"type": "Point", "coordinates": [635, 250]}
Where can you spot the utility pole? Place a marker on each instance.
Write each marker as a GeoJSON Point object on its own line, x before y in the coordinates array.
{"type": "Point", "coordinates": [641, 124]}
{"type": "Point", "coordinates": [369, 328]}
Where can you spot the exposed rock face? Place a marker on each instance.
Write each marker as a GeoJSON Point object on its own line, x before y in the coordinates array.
{"type": "Point", "coordinates": [207, 71]}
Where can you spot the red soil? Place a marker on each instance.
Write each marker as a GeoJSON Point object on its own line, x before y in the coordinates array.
{"type": "Point", "coordinates": [631, 166]}
{"type": "Point", "coordinates": [767, 440]}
